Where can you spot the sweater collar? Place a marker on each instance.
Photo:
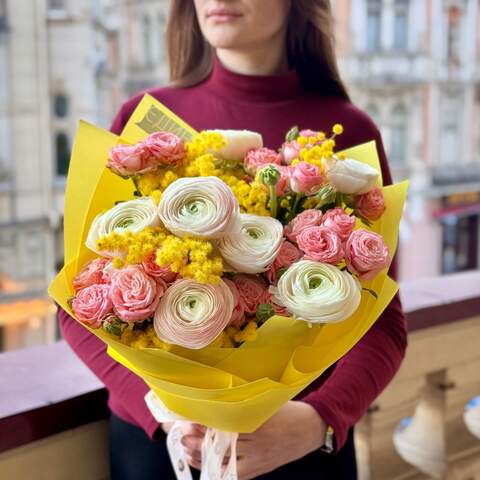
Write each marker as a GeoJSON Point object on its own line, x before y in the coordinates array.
{"type": "Point", "coordinates": [253, 88]}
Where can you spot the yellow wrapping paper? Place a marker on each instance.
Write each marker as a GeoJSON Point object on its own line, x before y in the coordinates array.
{"type": "Point", "coordinates": [229, 389]}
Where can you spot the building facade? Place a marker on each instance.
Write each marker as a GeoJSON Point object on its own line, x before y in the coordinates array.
{"type": "Point", "coordinates": [60, 61]}
{"type": "Point", "coordinates": [414, 66]}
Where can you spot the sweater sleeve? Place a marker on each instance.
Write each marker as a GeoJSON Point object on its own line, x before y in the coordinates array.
{"type": "Point", "coordinates": [127, 388]}
{"type": "Point", "coordinates": [123, 385]}
{"type": "Point", "coordinates": [369, 366]}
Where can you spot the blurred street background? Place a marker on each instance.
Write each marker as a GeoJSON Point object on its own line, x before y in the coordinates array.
{"type": "Point", "coordinates": [413, 65]}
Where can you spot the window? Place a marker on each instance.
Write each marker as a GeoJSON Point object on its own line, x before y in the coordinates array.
{"type": "Point", "coordinates": [460, 243]}
{"type": "Point", "coordinates": [56, 4]}
{"type": "Point", "coordinates": [3, 13]}
{"type": "Point", "coordinates": [147, 39]}
{"type": "Point", "coordinates": [400, 31]}
{"type": "Point", "coordinates": [61, 106]}
{"type": "Point", "coordinates": [62, 153]}
{"type": "Point", "coordinates": [453, 47]}
{"type": "Point", "coordinates": [374, 23]}
{"type": "Point", "coordinates": [450, 128]}
{"type": "Point", "coordinates": [398, 139]}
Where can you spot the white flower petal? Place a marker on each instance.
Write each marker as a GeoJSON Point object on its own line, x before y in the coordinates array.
{"type": "Point", "coordinates": [350, 176]}
{"type": "Point", "coordinates": [317, 292]}
{"type": "Point", "coordinates": [204, 207]}
{"type": "Point", "coordinates": [238, 143]}
{"type": "Point", "coordinates": [192, 314]}
{"type": "Point", "coordinates": [257, 245]}
{"type": "Point", "coordinates": [133, 216]}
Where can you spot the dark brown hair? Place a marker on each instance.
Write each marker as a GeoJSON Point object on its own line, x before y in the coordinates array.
{"type": "Point", "coordinates": [310, 45]}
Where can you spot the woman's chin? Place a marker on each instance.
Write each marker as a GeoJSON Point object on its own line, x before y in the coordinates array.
{"type": "Point", "coordinates": [226, 37]}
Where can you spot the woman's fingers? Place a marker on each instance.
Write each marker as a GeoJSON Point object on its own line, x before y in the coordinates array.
{"type": "Point", "coordinates": [189, 428]}
{"type": "Point", "coordinates": [192, 442]}
{"type": "Point", "coordinates": [194, 462]}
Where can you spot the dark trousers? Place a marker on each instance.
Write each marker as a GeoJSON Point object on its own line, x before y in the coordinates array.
{"type": "Point", "coordinates": [133, 456]}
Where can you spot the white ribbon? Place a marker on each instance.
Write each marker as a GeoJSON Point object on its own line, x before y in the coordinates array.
{"type": "Point", "coordinates": [215, 447]}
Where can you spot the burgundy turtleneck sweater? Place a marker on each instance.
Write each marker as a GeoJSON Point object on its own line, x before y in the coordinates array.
{"type": "Point", "coordinates": [270, 105]}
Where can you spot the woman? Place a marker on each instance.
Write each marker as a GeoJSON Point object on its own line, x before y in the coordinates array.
{"type": "Point", "coordinates": [264, 66]}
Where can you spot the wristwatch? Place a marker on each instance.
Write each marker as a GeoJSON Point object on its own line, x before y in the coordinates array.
{"type": "Point", "coordinates": [329, 442]}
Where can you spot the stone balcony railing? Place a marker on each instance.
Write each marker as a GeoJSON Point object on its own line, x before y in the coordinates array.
{"type": "Point", "coordinates": [53, 410]}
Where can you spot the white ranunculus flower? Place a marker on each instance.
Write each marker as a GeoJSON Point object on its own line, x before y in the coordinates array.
{"type": "Point", "coordinates": [192, 314]}
{"type": "Point", "coordinates": [257, 245]}
{"type": "Point", "coordinates": [350, 176]}
{"type": "Point", "coordinates": [133, 216]}
{"type": "Point", "coordinates": [317, 292]}
{"type": "Point", "coordinates": [238, 143]}
{"type": "Point", "coordinates": [204, 207]}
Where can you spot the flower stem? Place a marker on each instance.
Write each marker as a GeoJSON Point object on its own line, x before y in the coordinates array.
{"type": "Point", "coordinates": [137, 192]}
{"type": "Point", "coordinates": [273, 201]}
{"type": "Point", "coordinates": [296, 202]}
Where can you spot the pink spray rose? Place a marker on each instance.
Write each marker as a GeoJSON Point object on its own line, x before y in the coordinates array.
{"type": "Point", "coordinates": [339, 221]}
{"type": "Point", "coordinates": [305, 178]}
{"type": "Point", "coordinates": [321, 244]}
{"type": "Point", "coordinates": [238, 314]}
{"type": "Point", "coordinates": [165, 147]}
{"type": "Point", "coordinates": [290, 151]}
{"type": "Point", "coordinates": [366, 254]}
{"type": "Point", "coordinates": [92, 304]}
{"type": "Point", "coordinates": [127, 160]}
{"type": "Point", "coordinates": [135, 295]}
{"type": "Point", "coordinates": [252, 290]}
{"type": "Point", "coordinates": [308, 218]}
{"type": "Point", "coordinates": [283, 185]}
{"type": "Point", "coordinates": [258, 158]}
{"type": "Point", "coordinates": [308, 133]}
{"type": "Point", "coordinates": [154, 270]}
{"type": "Point", "coordinates": [92, 273]}
{"type": "Point", "coordinates": [288, 254]}
{"type": "Point", "coordinates": [370, 205]}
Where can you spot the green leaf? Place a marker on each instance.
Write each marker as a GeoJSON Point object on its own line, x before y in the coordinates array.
{"type": "Point", "coordinates": [371, 292]}
{"type": "Point", "coordinates": [281, 271]}
{"type": "Point", "coordinates": [113, 325]}
{"type": "Point", "coordinates": [264, 312]}
{"type": "Point", "coordinates": [292, 134]}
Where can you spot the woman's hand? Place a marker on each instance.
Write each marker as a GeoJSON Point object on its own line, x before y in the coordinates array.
{"type": "Point", "coordinates": [192, 440]}
{"type": "Point", "coordinates": [293, 432]}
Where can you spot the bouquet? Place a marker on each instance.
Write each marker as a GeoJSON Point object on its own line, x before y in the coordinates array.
{"type": "Point", "coordinates": [226, 274]}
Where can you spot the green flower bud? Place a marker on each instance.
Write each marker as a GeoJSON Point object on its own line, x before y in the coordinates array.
{"type": "Point", "coordinates": [326, 195]}
{"type": "Point", "coordinates": [264, 312]}
{"type": "Point", "coordinates": [269, 175]}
